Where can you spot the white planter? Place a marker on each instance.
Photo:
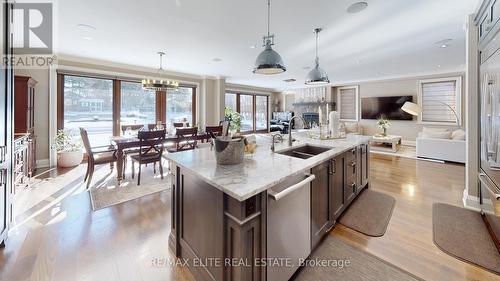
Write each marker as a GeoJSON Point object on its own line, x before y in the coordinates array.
{"type": "Point", "coordinates": [69, 159]}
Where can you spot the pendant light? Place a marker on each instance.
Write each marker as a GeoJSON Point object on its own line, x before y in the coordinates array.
{"type": "Point", "coordinates": [317, 76]}
{"type": "Point", "coordinates": [269, 61]}
{"type": "Point", "coordinates": [159, 85]}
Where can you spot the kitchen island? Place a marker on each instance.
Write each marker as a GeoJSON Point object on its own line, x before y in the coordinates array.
{"type": "Point", "coordinates": [240, 222]}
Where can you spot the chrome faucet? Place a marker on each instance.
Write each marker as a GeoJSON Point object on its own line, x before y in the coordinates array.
{"type": "Point", "coordinates": [290, 128]}
{"type": "Point", "coordinates": [280, 139]}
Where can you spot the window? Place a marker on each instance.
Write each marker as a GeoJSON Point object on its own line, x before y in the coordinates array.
{"type": "Point", "coordinates": [231, 101]}
{"type": "Point", "coordinates": [440, 100]}
{"type": "Point", "coordinates": [88, 103]}
{"type": "Point", "coordinates": [137, 105]}
{"type": "Point", "coordinates": [246, 110]}
{"type": "Point", "coordinates": [180, 105]}
{"type": "Point", "coordinates": [348, 103]}
{"type": "Point", "coordinates": [254, 109]}
{"type": "Point", "coordinates": [261, 104]}
{"type": "Point", "coordinates": [101, 105]}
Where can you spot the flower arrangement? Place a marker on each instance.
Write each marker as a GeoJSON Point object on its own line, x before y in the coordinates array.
{"type": "Point", "coordinates": [65, 141]}
{"type": "Point", "coordinates": [234, 119]}
{"type": "Point", "coordinates": [383, 124]}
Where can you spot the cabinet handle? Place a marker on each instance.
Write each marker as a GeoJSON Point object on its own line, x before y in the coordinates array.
{"type": "Point", "coordinates": [3, 151]}
{"type": "Point", "coordinates": [353, 185]}
{"type": "Point", "coordinates": [353, 151]}
{"type": "Point", "coordinates": [488, 25]}
{"type": "Point", "coordinates": [333, 163]}
{"type": "Point", "coordinates": [3, 177]}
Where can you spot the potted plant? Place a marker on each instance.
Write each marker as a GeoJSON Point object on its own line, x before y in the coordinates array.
{"type": "Point", "coordinates": [69, 149]}
{"type": "Point", "coordinates": [234, 120]}
{"type": "Point", "coordinates": [384, 125]}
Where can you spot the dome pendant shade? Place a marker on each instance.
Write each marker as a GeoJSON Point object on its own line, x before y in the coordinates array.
{"type": "Point", "coordinates": [269, 61]}
{"type": "Point", "coordinates": [317, 76]}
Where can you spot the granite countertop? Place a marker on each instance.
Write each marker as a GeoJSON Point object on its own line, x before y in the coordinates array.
{"type": "Point", "coordinates": [262, 170]}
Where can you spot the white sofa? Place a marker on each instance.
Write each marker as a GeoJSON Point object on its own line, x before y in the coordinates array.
{"type": "Point", "coordinates": [444, 149]}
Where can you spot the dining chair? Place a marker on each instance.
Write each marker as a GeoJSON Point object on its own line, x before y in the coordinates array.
{"type": "Point", "coordinates": [153, 126]}
{"type": "Point", "coordinates": [180, 125]}
{"type": "Point", "coordinates": [216, 130]}
{"type": "Point", "coordinates": [133, 127]}
{"type": "Point", "coordinates": [186, 139]}
{"type": "Point", "coordinates": [150, 151]}
{"type": "Point", "coordinates": [96, 156]}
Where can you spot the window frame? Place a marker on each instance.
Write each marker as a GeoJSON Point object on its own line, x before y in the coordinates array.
{"type": "Point", "coordinates": [160, 101]}
{"type": "Point", "coordinates": [356, 103]}
{"type": "Point", "coordinates": [458, 100]}
{"type": "Point", "coordinates": [254, 109]}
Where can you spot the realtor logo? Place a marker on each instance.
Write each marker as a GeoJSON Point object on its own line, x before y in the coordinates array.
{"type": "Point", "coordinates": [32, 28]}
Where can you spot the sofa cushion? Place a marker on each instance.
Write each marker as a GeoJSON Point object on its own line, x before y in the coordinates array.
{"type": "Point", "coordinates": [436, 134]}
{"type": "Point", "coordinates": [434, 129]}
{"type": "Point", "coordinates": [458, 134]}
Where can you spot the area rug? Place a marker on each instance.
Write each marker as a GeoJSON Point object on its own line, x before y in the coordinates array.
{"type": "Point", "coordinates": [463, 234]}
{"type": "Point", "coordinates": [370, 213]}
{"type": "Point", "coordinates": [105, 191]}
{"type": "Point", "coordinates": [345, 262]}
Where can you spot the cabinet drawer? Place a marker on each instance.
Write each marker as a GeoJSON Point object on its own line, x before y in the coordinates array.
{"type": "Point", "coordinates": [352, 168]}
{"type": "Point", "coordinates": [350, 155]}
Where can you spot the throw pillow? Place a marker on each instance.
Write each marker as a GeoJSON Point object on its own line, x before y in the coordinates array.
{"type": "Point", "coordinates": [458, 134]}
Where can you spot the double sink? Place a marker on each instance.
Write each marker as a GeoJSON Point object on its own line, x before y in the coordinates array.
{"type": "Point", "coordinates": [305, 151]}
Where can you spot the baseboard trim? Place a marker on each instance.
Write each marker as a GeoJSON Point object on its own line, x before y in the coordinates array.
{"type": "Point", "coordinates": [472, 202]}
{"type": "Point", "coordinates": [43, 163]}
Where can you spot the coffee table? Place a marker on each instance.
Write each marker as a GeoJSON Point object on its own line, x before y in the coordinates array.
{"type": "Point", "coordinates": [384, 143]}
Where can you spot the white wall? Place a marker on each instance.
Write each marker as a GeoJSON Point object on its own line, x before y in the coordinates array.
{"type": "Point", "coordinates": [41, 112]}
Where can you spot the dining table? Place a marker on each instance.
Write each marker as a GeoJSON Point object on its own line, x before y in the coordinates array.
{"type": "Point", "coordinates": [124, 142]}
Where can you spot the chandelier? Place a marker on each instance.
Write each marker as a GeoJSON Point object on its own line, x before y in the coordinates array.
{"type": "Point", "coordinates": [159, 85]}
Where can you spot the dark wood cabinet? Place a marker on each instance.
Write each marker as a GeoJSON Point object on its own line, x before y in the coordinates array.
{"type": "Point", "coordinates": [321, 219]}
{"type": "Point", "coordinates": [337, 178]}
{"type": "Point", "coordinates": [351, 177]}
{"type": "Point", "coordinates": [24, 118]}
{"type": "Point", "coordinates": [364, 166]}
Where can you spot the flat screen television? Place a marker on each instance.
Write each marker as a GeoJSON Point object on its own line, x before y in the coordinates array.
{"type": "Point", "coordinates": [388, 107]}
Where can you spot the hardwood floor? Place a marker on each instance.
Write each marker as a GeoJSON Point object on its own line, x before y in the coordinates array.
{"type": "Point", "coordinates": [68, 241]}
{"type": "Point", "coordinates": [408, 243]}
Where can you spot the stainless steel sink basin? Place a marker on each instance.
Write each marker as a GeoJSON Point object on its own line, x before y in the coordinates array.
{"type": "Point", "coordinates": [304, 152]}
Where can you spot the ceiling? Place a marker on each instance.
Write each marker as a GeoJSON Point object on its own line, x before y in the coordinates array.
{"type": "Point", "coordinates": [389, 38]}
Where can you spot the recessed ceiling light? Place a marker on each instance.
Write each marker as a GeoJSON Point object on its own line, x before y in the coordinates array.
{"type": "Point", "coordinates": [444, 46]}
{"type": "Point", "coordinates": [290, 80]}
{"type": "Point", "coordinates": [357, 7]}
{"type": "Point", "coordinates": [86, 27]}
{"type": "Point", "coordinates": [217, 59]}
{"type": "Point", "coordinates": [439, 65]}
{"type": "Point", "coordinates": [253, 46]}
